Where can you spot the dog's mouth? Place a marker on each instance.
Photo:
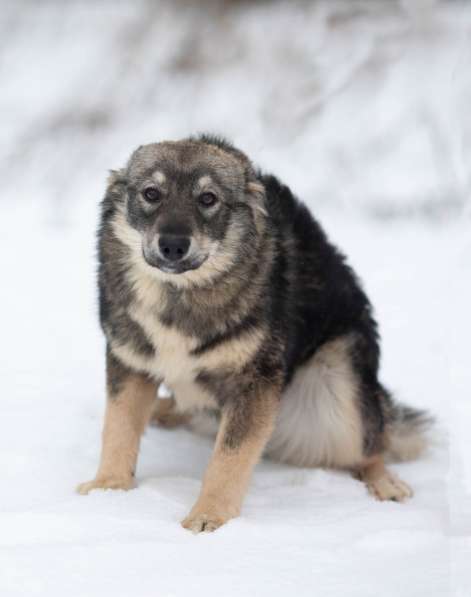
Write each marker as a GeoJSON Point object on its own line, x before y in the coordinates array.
{"type": "Point", "coordinates": [174, 267]}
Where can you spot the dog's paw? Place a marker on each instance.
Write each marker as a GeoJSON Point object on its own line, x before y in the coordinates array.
{"type": "Point", "coordinates": [167, 415]}
{"type": "Point", "coordinates": [169, 420]}
{"type": "Point", "coordinates": [389, 487]}
{"type": "Point", "coordinates": [106, 483]}
{"type": "Point", "coordinates": [206, 519]}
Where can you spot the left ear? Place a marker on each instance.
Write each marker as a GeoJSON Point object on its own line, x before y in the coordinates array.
{"type": "Point", "coordinates": [256, 191]}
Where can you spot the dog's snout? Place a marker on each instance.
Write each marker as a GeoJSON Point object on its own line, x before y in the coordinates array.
{"type": "Point", "coordinates": [173, 247]}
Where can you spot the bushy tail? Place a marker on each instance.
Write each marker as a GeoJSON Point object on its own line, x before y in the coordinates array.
{"type": "Point", "coordinates": [407, 431]}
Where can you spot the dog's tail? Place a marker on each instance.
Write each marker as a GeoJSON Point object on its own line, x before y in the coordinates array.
{"type": "Point", "coordinates": [407, 431]}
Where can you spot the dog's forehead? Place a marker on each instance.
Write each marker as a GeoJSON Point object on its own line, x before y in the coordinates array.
{"type": "Point", "coordinates": [186, 157]}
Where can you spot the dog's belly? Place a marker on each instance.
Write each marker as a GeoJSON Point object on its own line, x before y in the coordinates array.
{"type": "Point", "coordinates": [319, 422]}
{"type": "Point", "coordinates": [191, 397]}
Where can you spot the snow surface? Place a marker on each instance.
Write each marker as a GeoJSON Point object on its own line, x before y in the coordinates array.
{"type": "Point", "coordinates": [363, 112]}
{"type": "Point", "coordinates": [302, 531]}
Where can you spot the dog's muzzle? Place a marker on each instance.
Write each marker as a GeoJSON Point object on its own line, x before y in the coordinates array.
{"type": "Point", "coordinates": [171, 254]}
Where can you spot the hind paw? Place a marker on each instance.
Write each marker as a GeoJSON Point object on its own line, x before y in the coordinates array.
{"type": "Point", "coordinates": [166, 414]}
{"type": "Point", "coordinates": [389, 487]}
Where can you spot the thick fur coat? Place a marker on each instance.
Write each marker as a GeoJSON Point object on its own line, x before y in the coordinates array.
{"type": "Point", "coordinates": [216, 280]}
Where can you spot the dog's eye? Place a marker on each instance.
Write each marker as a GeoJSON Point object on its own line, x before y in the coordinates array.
{"type": "Point", "coordinates": [151, 194]}
{"type": "Point", "coordinates": [207, 199]}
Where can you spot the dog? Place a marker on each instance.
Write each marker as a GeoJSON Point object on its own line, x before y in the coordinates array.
{"type": "Point", "coordinates": [217, 281]}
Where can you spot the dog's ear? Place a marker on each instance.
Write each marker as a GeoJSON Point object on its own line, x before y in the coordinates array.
{"type": "Point", "coordinates": [257, 196]}
{"type": "Point", "coordinates": [116, 184]}
{"type": "Point", "coordinates": [116, 178]}
{"type": "Point", "coordinates": [115, 195]}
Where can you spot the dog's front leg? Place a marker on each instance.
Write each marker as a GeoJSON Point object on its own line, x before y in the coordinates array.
{"type": "Point", "coordinates": [246, 425]}
{"type": "Point", "coordinates": [130, 400]}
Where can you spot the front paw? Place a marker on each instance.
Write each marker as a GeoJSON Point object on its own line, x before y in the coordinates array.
{"type": "Point", "coordinates": [207, 518]}
{"type": "Point", "coordinates": [106, 483]}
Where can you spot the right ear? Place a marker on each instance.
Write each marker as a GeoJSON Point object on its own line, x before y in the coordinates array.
{"type": "Point", "coordinates": [115, 194]}
{"type": "Point", "coordinates": [116, 178]}
{"type": "Point", "coordinates": [116, 185]}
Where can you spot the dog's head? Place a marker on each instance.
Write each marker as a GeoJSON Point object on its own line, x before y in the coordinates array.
{"type": "Point", "coordinates": [193, 208]}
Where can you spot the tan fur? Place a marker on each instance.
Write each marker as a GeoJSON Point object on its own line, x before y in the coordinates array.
{"type": "Point", "coordinates": [229, 471]}
{"type": "Point", "coordinates": [165, 414]}
{"type": "Point", "coordinates": [204, 182]}
{"type": "Point", "coordinates": [126, 417]}
{"type": "Point", "coordinates": [381, 483]}
{"type": "Point", "coordinates": [204, 423]}
{"type": "Point", "coordinates": [403, 444]}
{"type": "Point", "coordinates": [258, 191]}
{"type": "Point", "coordinates": [319, 423]}
{"type": "Point", "coordinates": [159, 177]}
{"type": "Point", "coordinates": [191, 397]}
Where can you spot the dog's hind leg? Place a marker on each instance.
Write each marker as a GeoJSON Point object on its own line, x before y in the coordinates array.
{"type": "Point", "coordinates": [165, 414]}
{"type": "Point", "coordinates": [381, 483]}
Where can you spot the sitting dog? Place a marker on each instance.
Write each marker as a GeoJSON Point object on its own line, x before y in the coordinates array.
{"type": "Point", "coordinates": [216, 280]}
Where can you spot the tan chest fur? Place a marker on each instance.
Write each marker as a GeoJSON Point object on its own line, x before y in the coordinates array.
{"type": "Point", "coordinates": [173, 361]}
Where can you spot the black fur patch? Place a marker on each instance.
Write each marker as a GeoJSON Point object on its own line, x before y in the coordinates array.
{"type": "Point", "coordinates": [250, 322]}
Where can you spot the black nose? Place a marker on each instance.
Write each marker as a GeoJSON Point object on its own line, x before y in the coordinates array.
{"type": "Point", "coordinates": [173, 247]}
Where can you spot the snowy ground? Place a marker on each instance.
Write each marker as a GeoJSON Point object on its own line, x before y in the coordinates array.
{"type": "Point", "coordinates": [301, 531]}
{"type": "Point", "coordinates": [377, 141]}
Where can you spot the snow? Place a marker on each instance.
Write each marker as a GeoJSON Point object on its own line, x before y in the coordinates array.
{"type": "Point", "coordinates": [364, 113]}
{"type": "Point", "coordinates": [301, 530]}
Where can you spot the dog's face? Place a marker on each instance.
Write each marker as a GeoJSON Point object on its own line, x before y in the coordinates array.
{"type": "Point", "coordinates": [193, 204]}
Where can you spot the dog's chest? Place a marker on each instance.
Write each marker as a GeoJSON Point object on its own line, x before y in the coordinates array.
{"type": "Point", "coordinates": [173, 359]}
{"type": "Point", "coordinates": [177, 358]}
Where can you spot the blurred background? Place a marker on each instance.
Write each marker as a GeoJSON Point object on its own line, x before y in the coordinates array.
{"type": "Point", "coordinates": [359, 105]}
{"type": "Point", "coordinates": [363, 108]}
